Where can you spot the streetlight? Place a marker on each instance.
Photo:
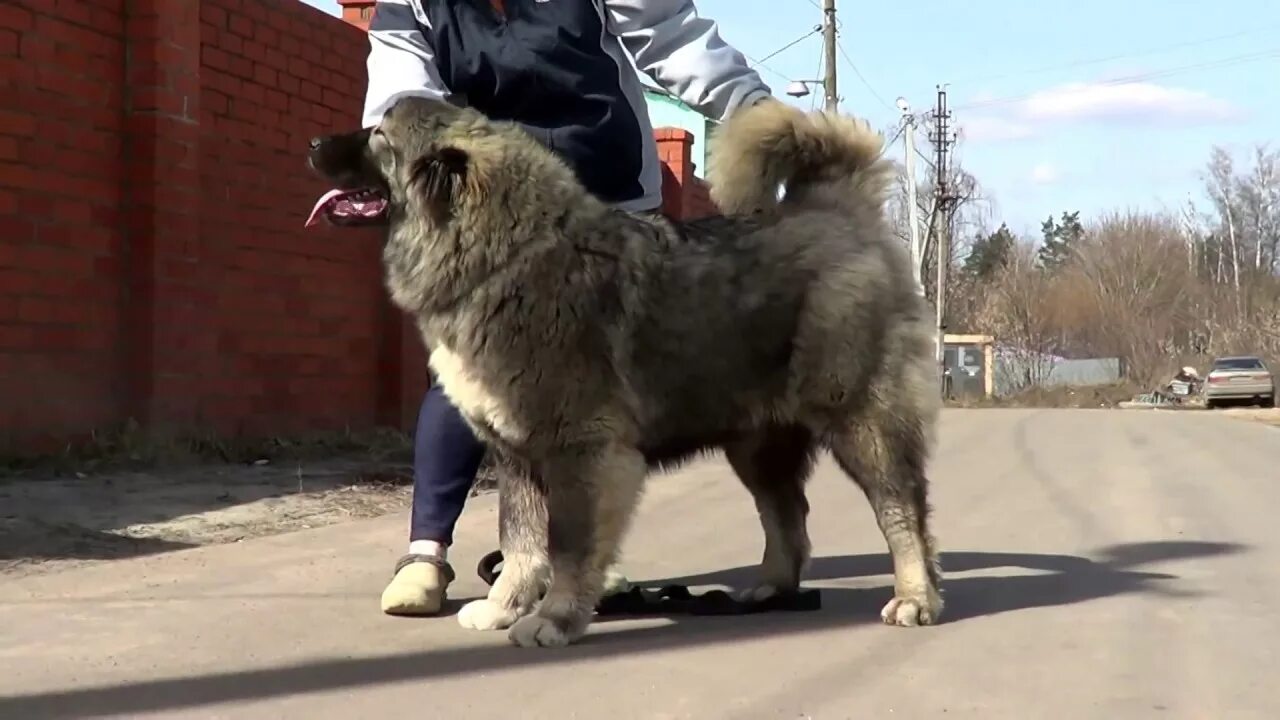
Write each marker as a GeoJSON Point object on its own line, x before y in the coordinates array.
{"type": "Point", "coordinates": [800, 88]}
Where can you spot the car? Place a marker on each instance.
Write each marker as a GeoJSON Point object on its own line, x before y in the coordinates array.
{"type": "Point", "coordinates": [1240, 377]}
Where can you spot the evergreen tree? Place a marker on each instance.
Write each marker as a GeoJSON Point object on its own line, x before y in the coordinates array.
{"type": "Point", "coordinates": [1060, 238]}
{"type": "Point", "coordinates": [989, 253]}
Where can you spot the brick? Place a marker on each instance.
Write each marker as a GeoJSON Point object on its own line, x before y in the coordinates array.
{"type": "Point", "coordinates": [289, 46]}
{"type": "Point", "coordinates": [109, 20]}
{"type": "Point", "coordinates": [50, 310]}
{"type": "Point", "coordinates": [75, 11]}
{"type": "Point", "coordinates": [158, 100]}
{"type": "Point", "coordinates": [240, 25]}
{"type": "Point", "coordinates": [13, 17]}
{"type": "Point", "coordinates": [233, 44]}
{"type": "Point", "coordinates": [214, 15]}
{"type": "Point", "coordinates": [265, 76]}
{"type": "Point", "coordinates": [215, 58]}
{"type": "Point", "coordinates": [16, 337]}
{"type": "Point", "coordinates": [76, 89]}
{"type": "Point", "coordinates": [311, 91]}
{"type": "Point", "coordinates": [53, 338]}
{"type": "Point", "coordinates": [241, 66]}
{"type": "Point", "coordinates": [266, 35]}
{"type": "Point", "coordinates": [66, 263]}
{"type": "Point", "coordinates": [92, 42]}
{"type": "Point", "coordinates": [8, 43]}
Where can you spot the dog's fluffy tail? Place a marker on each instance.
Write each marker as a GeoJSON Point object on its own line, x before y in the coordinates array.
{"type": "Point", "coordinates": [817, 157]}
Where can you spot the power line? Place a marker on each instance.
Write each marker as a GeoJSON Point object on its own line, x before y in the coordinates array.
{"type": "Point", "coordinates": [816, 29]}
{"type": "Point", "coordinates": [892, 141]}
{"type": "Point", "coordinates": [822, 56]}
{"type": "Point", "coordinates": [761, 62]}
{"type": "Point", "coordinates": [1167, 72]}
{"type": "Point", "coordinates": [757, 63]}
{"type": "Point", "coordinates": [927, 160]}
{"type": "Point", "coordinates": [1122, 56]}
{"type": "Point", "coordinates": [839, 22]}
{"type": "Point", "coordinates": [858, 72]}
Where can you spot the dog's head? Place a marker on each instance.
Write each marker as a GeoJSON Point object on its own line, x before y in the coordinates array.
{"type": "Point", "coordinates": [418, 160]}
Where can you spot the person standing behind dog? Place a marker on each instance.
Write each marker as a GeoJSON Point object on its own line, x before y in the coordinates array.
{"type": "Point", "coordinates": [559, 69]}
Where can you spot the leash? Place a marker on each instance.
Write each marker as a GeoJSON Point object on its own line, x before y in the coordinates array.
{"type": "Point", "coordinates": [677, 600]}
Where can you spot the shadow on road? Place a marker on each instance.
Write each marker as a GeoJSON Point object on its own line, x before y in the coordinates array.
{"type": "Point", "coordinates": [27, 540]}
{"type": "Point", "coordinates": [1061, 580]}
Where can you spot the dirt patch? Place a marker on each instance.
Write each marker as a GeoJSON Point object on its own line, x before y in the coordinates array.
{"type": "Point", "coordinates": [1266, 416]}
{"type": "Point", "coordinates": [55, 520]}
{"type": "Point", "coordinates": [1066, 396]}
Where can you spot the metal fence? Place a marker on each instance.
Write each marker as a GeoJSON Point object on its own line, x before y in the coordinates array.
{"type": "Point", "coordinates": [1019, 370]}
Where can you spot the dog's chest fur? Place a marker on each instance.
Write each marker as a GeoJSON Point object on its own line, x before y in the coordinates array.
{"type": "Point", "coordinates": [471, 394]}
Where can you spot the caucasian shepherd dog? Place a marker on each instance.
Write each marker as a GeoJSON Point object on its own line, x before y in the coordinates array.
{"type": "Point", "coordinates": [588, 346]}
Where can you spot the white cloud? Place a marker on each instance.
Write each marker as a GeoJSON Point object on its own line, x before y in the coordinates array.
{"type": "Point", "coordinates": [1138, 101]}
{"type": "Point", "coordinates": [1044, 174]}
{"type": "Point", "coordinates": [1133, 103]}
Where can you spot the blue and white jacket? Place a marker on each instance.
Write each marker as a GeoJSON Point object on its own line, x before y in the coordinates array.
{"type": "Point", "coordinates": [560, 69]}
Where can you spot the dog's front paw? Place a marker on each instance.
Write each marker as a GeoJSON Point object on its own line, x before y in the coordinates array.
{"type": "Point", "coordinates": [541, 631]}
{"type": "Point", "coordinates": [485, 614]}
{"type": "Point", "coordinates": [917, 609]}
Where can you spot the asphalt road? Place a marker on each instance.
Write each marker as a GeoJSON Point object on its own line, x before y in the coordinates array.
{"type": "Point", "coordinates": [1100, 564]}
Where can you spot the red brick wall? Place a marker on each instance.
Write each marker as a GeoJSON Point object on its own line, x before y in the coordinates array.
{"type": "Point", "coordinates": [153, 263]}
{"type": "Point", "coordinates": [61, 246]}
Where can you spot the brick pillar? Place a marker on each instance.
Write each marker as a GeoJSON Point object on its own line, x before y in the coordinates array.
{"type": "Point", "coordinates": [684, 195]}
{"type": "Point", "coordinates": [167, 340]}
{"type": "Point", "coordinates": [675, 152]}
{"type": "Point", "coordinates": [357, 12]}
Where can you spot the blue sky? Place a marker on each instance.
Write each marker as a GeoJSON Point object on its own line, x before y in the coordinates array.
{"type": "Point", "coordinates": [1106, 105]}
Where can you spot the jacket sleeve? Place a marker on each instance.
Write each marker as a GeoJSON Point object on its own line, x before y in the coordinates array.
{"type": "Point", "coordinates": [685, 54]}
{"type": "Point", "coordinates": [401, 61]}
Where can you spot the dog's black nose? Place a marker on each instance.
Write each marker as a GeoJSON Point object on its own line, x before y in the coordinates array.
{"type": "Point", "coordinates": [315, 142]}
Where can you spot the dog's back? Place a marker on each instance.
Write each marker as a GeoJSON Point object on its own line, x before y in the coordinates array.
{"type": "Point", "coordinates": [778, 310]}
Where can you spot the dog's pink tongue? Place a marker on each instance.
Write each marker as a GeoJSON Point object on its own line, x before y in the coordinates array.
{"type": "Point", "coordinates": [323, 204]}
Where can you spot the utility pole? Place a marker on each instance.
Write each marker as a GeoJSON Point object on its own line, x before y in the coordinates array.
{"type": "Point", "coordinates": [829, 44]}
{"type": "Point", "coordinates": [913, 223]}
{"type": "Point", "coordinates": [942, 140]}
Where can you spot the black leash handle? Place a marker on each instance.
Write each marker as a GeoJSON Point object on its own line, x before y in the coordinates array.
{"type": "Point", "coordinates": [487, 569]}
{"type": "Point", "coordinates": [677, 598]}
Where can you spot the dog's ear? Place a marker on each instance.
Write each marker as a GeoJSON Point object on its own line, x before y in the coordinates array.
{"type": "Point", "coordinates": [437, 178]}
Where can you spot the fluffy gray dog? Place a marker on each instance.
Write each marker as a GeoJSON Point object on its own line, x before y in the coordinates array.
{"type": "Point", "coordinates": [588, 346]}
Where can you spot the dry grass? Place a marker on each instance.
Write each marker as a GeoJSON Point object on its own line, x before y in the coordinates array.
{"type": "Point", "coordinates": [131, 449]}
{"type": "Point", "coordinates": [1092, 396]}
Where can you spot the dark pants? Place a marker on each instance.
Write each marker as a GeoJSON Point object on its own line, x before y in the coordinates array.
{"type": "Point", "coordinates": [446, 456]}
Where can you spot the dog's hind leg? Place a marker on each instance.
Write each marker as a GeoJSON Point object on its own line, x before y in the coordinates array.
{"type": "Point", "coordinates": [591, 496]}
{"type": "Point", "coordinates": [774, 465]}
{"type": "Point", "coordinates": [885, 453]}
{"type": "Point", "coordinates": [522, 522]}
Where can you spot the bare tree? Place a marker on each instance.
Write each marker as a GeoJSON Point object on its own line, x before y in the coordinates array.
{"type": "Point", "coordinates": [1258, 197]}
{"type": "Point", "coordinates": [1128, 291]}
{"type": "Point", "coordinates": [1220, 182]}
{"type": "Point", "coordinates": [970, 213]}
{"type": "Point", "coordinates": [1019, 307]}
